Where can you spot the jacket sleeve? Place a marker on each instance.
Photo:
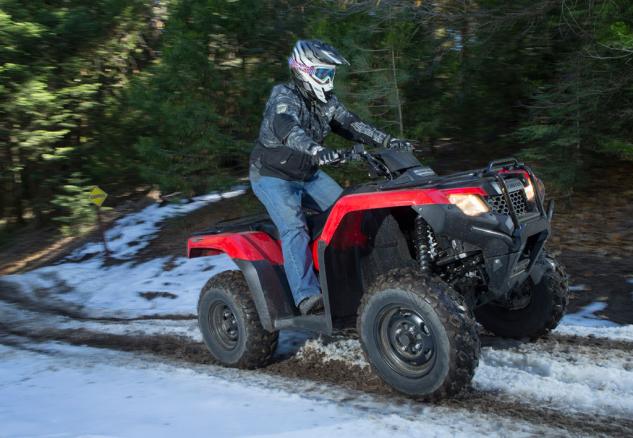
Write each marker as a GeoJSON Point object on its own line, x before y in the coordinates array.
{"type": "Point", "coordinates": [348, 125]}
{"type": "Point", "coordinates": [287, 126]}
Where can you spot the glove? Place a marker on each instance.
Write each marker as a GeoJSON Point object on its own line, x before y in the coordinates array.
{"type": "Point", "coordinates": [326, 156]}
{"type": "Point", "coordinates": [399, 145]}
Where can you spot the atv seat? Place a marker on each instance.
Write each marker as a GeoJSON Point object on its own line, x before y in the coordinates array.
{"type": "Point", "coordinates": [262, 222]}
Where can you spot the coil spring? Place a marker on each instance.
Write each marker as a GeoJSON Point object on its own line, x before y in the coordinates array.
{"type": "Point", "coordinates": [425, 244]}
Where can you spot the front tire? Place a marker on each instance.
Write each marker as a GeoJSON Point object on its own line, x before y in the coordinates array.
{"type": "Point", "coordinates": [418, 334]}
{"type": "Point", "coordinates": [547, 304]}
{"type": "Point", "coordinates": [230, 325]}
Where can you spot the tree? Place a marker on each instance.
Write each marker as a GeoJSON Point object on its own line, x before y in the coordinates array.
{"type": "Point", "coordinates": [60, 63]}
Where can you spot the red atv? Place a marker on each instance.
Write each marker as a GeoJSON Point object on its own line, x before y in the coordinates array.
{"type": "Point", "coordinates": [413, 259]}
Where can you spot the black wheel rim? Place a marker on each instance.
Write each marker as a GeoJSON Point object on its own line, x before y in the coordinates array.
{"type": "Point", "coordinates": [405, 340]}
{"type": "Point", "coordinates": [223, 324]}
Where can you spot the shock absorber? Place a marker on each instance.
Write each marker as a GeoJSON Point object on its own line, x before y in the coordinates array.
{"type": "Point", "coordinates": [425, 244]}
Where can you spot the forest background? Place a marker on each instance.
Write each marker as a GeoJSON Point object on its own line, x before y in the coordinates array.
{"type": "Point", "coordinates": [169, 94]}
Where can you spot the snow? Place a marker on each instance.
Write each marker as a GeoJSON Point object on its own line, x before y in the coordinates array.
{"type": "Point", "coordinates": [60, 390]}
{"type": "Point", "coordinates": [134, 231]}
{"type": "Point", "coordinates": [620, 333]}
{"type": "Point", "coordinates": [578, 385]}
{"type": "Point", "coordinates": [586, 323]}
{"type": "Point", "coordinates": [587, 317]}
{"type": "Point", "coordinates": [79, 391]}
{"type": "Point", "coordinates": [99, 289]}
{"type": "Point", "coordinates": [347, 351]}
{"type": "Point", "coordinates": [585, 380]}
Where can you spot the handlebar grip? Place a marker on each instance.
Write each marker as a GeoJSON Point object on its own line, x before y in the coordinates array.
{"type": "Point", "coordinates": [354, 154]}
{"type": "Point", "coordinates": [358, 148]}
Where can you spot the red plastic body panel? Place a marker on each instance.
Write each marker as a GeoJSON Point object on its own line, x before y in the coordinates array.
{"type": "Point", "coordinates": [248, 245]}
{"type": "Point", "coordinates": [256, 245]}
{"type": "Point", "coordinates": [390, 199]}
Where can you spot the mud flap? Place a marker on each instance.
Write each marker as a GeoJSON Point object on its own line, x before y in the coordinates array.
{"type": "Point", "coordinates": [271, 293]}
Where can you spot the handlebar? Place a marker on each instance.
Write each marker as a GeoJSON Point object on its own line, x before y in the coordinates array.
{"type": "Point", "coordinates": [356, 153]}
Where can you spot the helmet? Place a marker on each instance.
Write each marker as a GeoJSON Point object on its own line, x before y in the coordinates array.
{"type": "Point", "coordinates": [313, 65]}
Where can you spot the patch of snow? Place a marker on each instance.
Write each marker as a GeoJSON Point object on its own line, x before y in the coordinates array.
{"type": "Point", "coordinates": [134, 231]}
{"type": "Point", "coordinates": [101, 289]}
{"type": "Point", "coordinates": [115, 290]}
{"type": "Point", "coordinates": [150, 327]}
{"type": "Point", "coordinates": [619, 333]}
{"type": "Point", "coordinates": [581, 380]}
{"type": "Point", "coordinates": [79, 391]}
{"type": "Point", "coordinates": [347, 351]}
{"type": "Point", "coordinates": [586, 323]}
{"type": "Point", "coordinates": [587, 317]}
{"type": "Point", "coordinates": [578, 385]}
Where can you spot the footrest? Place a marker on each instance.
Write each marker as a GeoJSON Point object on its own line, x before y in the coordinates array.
{"type": "Point", "coordinates": [316, 323]}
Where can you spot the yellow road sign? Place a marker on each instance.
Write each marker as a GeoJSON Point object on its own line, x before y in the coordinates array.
{"type": "Point", "coordinates": [97, 196]}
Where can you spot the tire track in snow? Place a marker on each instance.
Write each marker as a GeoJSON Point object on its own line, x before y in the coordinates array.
{"type": "Point", "coordinates": [311, 367]}
{"type": "Point", "coordinates": [339, 360]}
{"type": "Point", "coordinates": [564, 344]}
{"type": "Point", "coordinates": [432, 419]}
{"type": "Point", "coordinates": [11, 294]}
{"type": "Point", "coordinates": [574, 386]}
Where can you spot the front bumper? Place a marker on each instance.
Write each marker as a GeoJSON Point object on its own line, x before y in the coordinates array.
{"type": "Point", "coordinates": [510, 248]}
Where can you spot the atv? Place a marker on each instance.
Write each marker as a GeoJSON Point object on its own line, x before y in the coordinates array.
{"type": "Point", "coordinates": [413, 259]}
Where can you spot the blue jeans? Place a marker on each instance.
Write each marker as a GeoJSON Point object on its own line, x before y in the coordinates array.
{"type": "Point", "coordinates": [283, 200]}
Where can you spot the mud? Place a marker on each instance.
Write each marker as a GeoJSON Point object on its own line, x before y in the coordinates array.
{"type": "Point", "coordinates": [561, 342]}
{"type": "Point", "coordinates": [605, 279]}
{"type": "Point", "coordinates": [43, 303]}
{"type": "Point", "coordinates": [364, 380]}
{"type": "Point", "coordinates": [312, 367]}
{"type": "Point", "coordinates": [589, 341]}
{"type": "Point", "coordinates": [166, 346]}
{"type": "Point", "coordinates": [149, 296]}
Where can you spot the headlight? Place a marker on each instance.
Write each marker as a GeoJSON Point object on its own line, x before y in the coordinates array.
{"type": "Point", "coordinates": [530, 191]}
{"type": "Point", "coordinates": [470, 205]}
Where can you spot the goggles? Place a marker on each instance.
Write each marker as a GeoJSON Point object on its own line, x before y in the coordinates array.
{"type": "Point", "coordinates": [320, 73]}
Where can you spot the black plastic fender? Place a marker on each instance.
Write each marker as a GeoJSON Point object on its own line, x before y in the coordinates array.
{"type": "Point", "coordinates": [270, 290]}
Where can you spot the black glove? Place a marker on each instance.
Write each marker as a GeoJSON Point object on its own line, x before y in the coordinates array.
{"type": "Point", "coordinates": [400, 145]}
{"type": "Point", "coordinates": [326, 156]}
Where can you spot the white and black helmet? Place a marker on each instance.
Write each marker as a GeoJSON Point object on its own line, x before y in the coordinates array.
{"type": "Point", "coordinates": [313, 65]}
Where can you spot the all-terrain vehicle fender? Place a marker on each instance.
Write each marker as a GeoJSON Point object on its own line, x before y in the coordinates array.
{"type": "Point", "coordinates": [259, 258]}
{"type": "Point", "coordinates": [387, 200]}
{"type": "Point", "coordinates": [253, 246]}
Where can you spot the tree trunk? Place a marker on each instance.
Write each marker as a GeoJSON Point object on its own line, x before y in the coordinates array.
{"type": "Point", "coordinates": [397, 92]}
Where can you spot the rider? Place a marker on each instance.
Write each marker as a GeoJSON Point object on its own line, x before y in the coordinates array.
{"type": "Point", "coordinates": [284, 165]}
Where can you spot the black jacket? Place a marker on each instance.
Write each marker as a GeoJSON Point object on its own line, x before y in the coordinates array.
{"type": "Point", "coordinates": [294, 126]}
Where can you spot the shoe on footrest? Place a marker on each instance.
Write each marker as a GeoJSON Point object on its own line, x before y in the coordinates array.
{"type": "Point", "coordinates": [311, 304]}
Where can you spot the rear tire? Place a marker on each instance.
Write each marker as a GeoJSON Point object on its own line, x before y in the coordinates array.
{"type": "Point", "coordinates": [418, 334]}
{"type": "Point", "coordinates": [230, 325]}
{"type": "Point", "coordinates": [548, 302]}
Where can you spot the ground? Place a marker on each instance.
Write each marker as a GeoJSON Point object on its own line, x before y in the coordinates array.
{"type": "Point", "coordinates": [110, 347]}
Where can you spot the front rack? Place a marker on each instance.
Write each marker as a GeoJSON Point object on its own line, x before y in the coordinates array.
{"type": "Point", "coordinates": [513, 164]}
